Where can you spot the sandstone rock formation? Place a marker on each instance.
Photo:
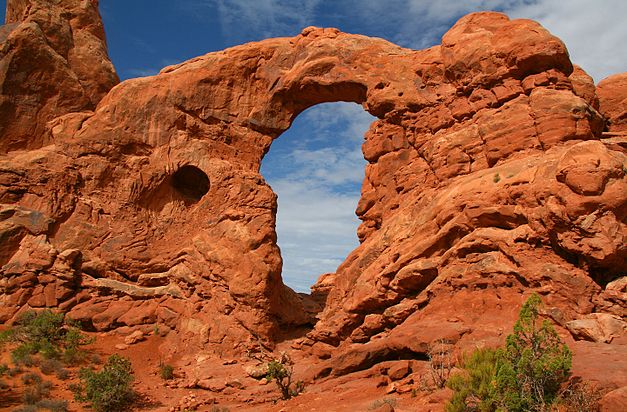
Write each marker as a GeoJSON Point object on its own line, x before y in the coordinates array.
{"type": "Point", "coordinates": [489, 176]}
{"type": "Point", "coordinates": [54, 62]}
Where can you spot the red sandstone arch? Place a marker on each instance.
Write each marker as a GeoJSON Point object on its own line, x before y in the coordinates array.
{"type": "Point", "coordinates": [499, 97]}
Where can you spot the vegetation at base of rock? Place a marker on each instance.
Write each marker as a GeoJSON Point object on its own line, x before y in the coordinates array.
{"type": "Point", "coordinates": [281, 371]}
{"type": "Point", "coordinates": [107, 390]}
{"type": "Point", "coordinates": [48, 334]}
{"type": "Point", "coordinates": [528, 374]}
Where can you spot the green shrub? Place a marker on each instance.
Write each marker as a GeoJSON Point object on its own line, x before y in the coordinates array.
{"type": "Point", "coordinates": [4, 368]}
{"type": "Point", "coordinates": [535, 362]}
{"type": "Point", "coordinates": [6, 336]}
{"type": "Point", "coordinates": [166, 371]}
{"type": "Point", "coordinates": [107, 390]}
{"type": "Point", "coordinates": [45, 326]}
{"type": "Point", "coordinates": [475, 389]}
{"type": "Point", "coordinates": [281, 370]}
{"type": "Point", "coordinates": [50, 335]}
{"type": "Point", "coordinates": [525, 375]}
{"type": "Point", "coordinates": [22, 355]}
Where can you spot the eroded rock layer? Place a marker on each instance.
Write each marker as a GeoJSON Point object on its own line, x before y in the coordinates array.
{"type": "Point", "coordinates": [495, 168]}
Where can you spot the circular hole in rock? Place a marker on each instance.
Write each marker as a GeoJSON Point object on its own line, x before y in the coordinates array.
{"type": "Point", "coordinates": [191, 182]}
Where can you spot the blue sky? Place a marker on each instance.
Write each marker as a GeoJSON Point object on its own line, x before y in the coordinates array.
{"type": "Point", "coordinates": [316, 167]}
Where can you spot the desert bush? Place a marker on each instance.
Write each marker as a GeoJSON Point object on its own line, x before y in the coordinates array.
{"type": "Point", "coordinates": [281, 370]}
{"type": "Point", "coordinates": [15, 371]}
{"type": "Point", "coordinates": [107, 390]}
{"type": "Point", "coordinates": [525, 375]}
{"type": "Point", "coordinates": [580, 396]}
{"type": "Point", "coordinates": [23, 354]}
{"type": "Point", "coordinates": [380, 402]}
{"type": "Point", "coordinates": [36, 392]}
{"type": "Point", "coordinates": [6, 336]}
{"type": "Point", "coordinates": [166, 371]}
{"type": "Point", "coordinates": [48, 334]}
{"type": "Point", "coordinates": [441, 362]}
{"type": "Point", "coordinates": [63, 374]}
{"type": "Point", "coordinates": [535, 362]}
{"type": "Point", "coordinates": [50, 366]}
{"type": "Point", "coordinates": [31, 378]}
{"type": "Point", "coordinates": [52, 405]}
{"type": "Point", "coordinates": [475, 390]}
{"type": "Point", "coordinates": [4, 368]}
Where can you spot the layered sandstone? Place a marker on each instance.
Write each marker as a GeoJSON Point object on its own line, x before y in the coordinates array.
{"type": "Point", "coordinates": [490, 175]}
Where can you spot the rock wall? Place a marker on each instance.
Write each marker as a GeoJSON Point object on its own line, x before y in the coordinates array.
{"type": "Point", "coordinates": [488, 176]}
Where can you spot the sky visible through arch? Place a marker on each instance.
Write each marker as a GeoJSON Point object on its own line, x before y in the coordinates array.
{"type": "Point", "coordinates": [323, 145]}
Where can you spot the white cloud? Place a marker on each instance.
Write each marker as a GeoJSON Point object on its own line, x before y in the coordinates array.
{"type": "Point", "coordinates": [259, 19]}
{"type": "Point", "coordinates": [317, 172]}
{"type": "Point", "coordinates": [594, 31]}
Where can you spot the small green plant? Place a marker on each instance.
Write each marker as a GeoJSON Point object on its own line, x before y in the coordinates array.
{"type": "Point", "coordinates": [496, 178]}
{"type": "Point", "coordinates": [4, 368]}
{"type": "Point", "coordinates": [525, 375]}
{"type": "Point", "coordinates": [281, 371]}
{"type": "Point", "coordinates": [166, 371]}
{"type": "Point", "coordinates": [107, 390]}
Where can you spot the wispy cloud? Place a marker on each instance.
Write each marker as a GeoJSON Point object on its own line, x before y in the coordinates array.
{"type": "Point", "coordinates": [245, 20]}
{"type": "Point", "coordinates": [316, 168]}
{"type": "Point", "coordinates": [594, 31]}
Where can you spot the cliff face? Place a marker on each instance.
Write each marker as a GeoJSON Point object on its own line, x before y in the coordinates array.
{"type": "Point", "coordinates": [54, 62]}
{"type": "Point", "coordinates": [495, 168]}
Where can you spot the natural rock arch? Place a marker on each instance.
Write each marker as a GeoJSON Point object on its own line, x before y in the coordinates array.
{"type": "Point", "coordinates": [485, 155]}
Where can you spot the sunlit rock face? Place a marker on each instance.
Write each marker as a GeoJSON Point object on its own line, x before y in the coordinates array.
{"type": "Point", "coordinates": [488, 176]}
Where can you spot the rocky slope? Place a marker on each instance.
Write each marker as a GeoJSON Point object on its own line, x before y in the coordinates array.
{"type": "Point", "coordinates": [495, 168]}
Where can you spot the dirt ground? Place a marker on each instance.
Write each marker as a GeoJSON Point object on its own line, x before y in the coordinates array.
{"type": "Point", "coordinates": [210, 383]}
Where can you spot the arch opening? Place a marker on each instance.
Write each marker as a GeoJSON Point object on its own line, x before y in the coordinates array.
{"type": "Point", "coordinates": [191, 183]}
{"type": "Point", "coordinates": [316, 168]}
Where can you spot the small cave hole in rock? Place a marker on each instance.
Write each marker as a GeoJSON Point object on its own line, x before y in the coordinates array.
{"type": "Point", "coordinates": [317, 168]}
{"type": "Point", "coordinates": [191, 183]}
